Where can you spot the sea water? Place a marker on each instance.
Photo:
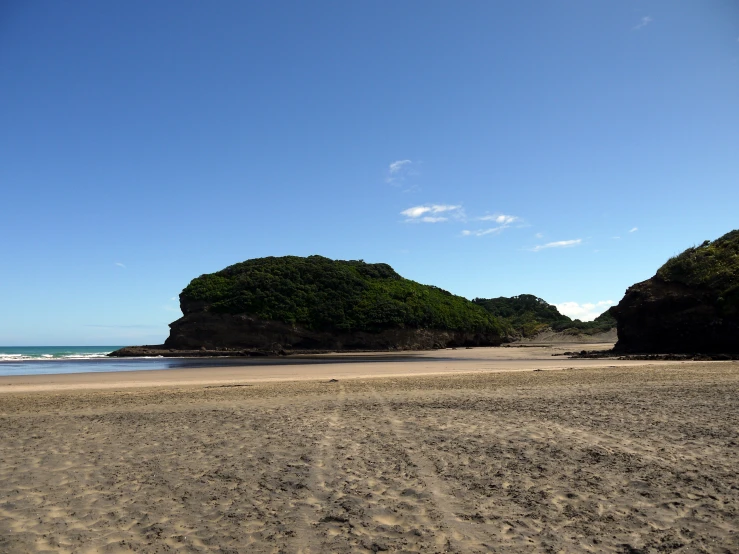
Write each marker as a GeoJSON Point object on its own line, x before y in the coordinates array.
{"type": "Point", "coordinates": [47, 360]}
{"type": "Point", "coordinates": [21, 353]}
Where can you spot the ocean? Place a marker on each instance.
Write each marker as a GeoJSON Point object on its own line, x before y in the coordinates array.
{"type": "Point", "coordinates": [48, 360]}
{"type": "Point", "coordinates": [23, 353]}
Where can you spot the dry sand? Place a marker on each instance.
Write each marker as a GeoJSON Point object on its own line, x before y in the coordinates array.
{"type": "Point", "coordinates": [626, 458]}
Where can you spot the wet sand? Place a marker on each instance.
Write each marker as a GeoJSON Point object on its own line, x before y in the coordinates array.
{"type": "Point", "coordinates": [327, 366]}
{"type": "Point", "coordinates": [616, 458]}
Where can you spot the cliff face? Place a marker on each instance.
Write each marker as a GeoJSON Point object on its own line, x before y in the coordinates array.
{"type": "Point", "coordinates": [292, 303]}
{"type": "Point", "coordinates": [690, 306]}
{"type": "Point", "coordinates": [214, 331]}
{"type": "Point", "coordinates": [659, 317]}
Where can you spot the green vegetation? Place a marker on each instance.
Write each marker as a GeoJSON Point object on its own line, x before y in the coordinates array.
{"type": "Point", "coordinates": [528, 315]}
{"type": "Point", "coordinates": [323, 294]}
{"type": "Point", "coordinates": [713, 266]}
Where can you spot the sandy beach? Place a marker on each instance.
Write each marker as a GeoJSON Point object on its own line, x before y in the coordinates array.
{"type": "Point", "coordinates": [325, 366]}
{"type": "Point", "coordinates": [460, 451]}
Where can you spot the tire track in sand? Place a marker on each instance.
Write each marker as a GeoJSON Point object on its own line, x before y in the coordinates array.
{"type": "Point", "coordinates": [313, 510]}
{"type": "Point", "coordinates": [462, 535]}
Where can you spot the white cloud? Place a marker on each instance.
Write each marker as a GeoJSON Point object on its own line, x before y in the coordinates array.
{"type": "Point", "coordinates": [501, 219]}
{"type": "Point", "coordinates": [399, 170]}
{"type": "Point", "coordinates": [584, 312]}
{"type": "Point", "coordinates": [396, 166]}
{"type": "Point", "coordinates": [558, 244]}
{"type": "Point", "coordinates": [539, 235]}
{"type": "Point", "coordinates": [615, 238]}
{"type": "Point", "coordinates": [633, 229]}
{"type": "Point", "coordinates": [416, 212]}
{"type": "Point", "coordinates": [482, 232]}
{"type": "Point", "coordinates": [643, 22]}
{"type": "Point", "coordinates": [119, 264]}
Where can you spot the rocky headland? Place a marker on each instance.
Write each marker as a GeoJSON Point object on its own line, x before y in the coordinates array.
{"type": "Point", "coordinates": [293, 304]}
{"type": "Point", "coordinates": [690, 306]}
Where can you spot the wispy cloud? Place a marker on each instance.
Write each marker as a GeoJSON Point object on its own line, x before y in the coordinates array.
{"type": "Point", "coordinates": [399, 170]}
{"type": "Point", "coordinates": [558, 244]}
{"type": "Point", "coordinates": [643, 22]}
{"type": "Point", "coordinates": [501, 219]}
{"type": "Point", "coordinates": [427, 214]}
{"type": "Point", "coordinates": [127, 326]}
{"type": "Point", "coordinates": [119, 264]}
{"type": "Point", "coordinates": [504, 221]}
{"type": "Point", "coordinates": [398, 165]}
{"type": "Point", "coordinates": [633, 229]}
{"type": "Point", "coordinates": [482, 232]}
{"type": "Point", "coordinates": [539, 235]}
{"type": "Point", "coordinates": [584, 312]}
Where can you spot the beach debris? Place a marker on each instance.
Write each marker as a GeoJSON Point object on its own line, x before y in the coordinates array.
{"type": "Point", "coordinates": [333, 381]}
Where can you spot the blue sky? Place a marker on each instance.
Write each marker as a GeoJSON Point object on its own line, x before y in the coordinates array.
{"type": "Point", "coordinates": [563, 149]}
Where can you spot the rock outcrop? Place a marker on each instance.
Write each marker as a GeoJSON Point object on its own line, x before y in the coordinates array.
{"type": "Point", "coordinates": [241, 331]}
{"type": "Point", "coordinates": [690, 306]}
{"type": "Point", "coordinates": [289, 304]}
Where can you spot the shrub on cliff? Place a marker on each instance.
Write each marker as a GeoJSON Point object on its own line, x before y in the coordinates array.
{"type": "Point", "coordinates": [714, 265]}
{"type": "Point", "coordinates": [335, 295]}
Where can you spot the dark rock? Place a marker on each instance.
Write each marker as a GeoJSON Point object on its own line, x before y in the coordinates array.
{"type": "Point", "coordinates": [166, 352]}
{"type": "Point", "coordinates": [691, 305]}
{"type": "Point", "coordinates": [660, 317]}
{"type": "Point", "coordinates": [216, 331]}
{"type": "Point", "coordinates": [589, 354]}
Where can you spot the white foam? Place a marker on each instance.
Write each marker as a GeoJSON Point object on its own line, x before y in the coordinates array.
{"type": "Point", "coordinates": [4, 357]}
{"type": "Point", "coordinates": [14, 357]}
{"type": "Point", "coordinates": [85, 356]}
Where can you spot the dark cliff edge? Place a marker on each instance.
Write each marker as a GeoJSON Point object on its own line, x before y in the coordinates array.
{"type": "Point", "coordinates": [690, 306]}
{"type": "Point", "coordinates": [272, 306]}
